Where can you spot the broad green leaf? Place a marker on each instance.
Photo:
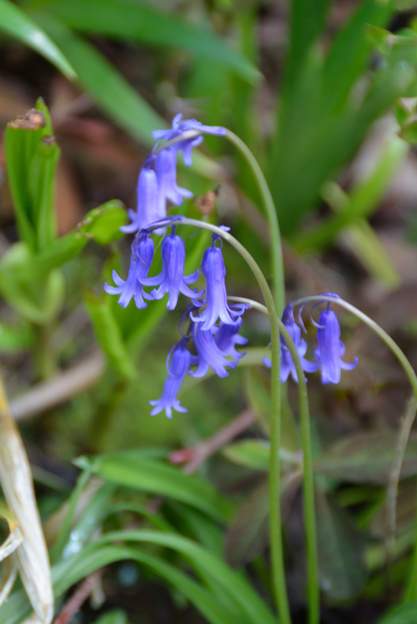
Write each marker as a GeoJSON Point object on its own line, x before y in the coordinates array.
{"type": "Point", "coordinates": [137, 21]}
{"type": "Point", "coordinates": [97, 76]}
{"type": "Point", "coordinates": [340, 548]}
{"type": "Point", "coordinates": [366, 458]}
{"type": "Point", "coordinates": [17, 24]}
{"type": "Point", "coordinates": [132, 470]}
{"type": "Point", "coordinates": [108, 335]}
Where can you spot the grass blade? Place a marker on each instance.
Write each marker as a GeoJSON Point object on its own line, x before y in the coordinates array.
{"type": "Point", "coordinates": [17, 24]}
{"type": "Point", "coordinates": [137, 21]}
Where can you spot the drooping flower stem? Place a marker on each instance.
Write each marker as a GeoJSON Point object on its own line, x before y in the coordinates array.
{"type": "Point", "coordinates": [313, 596]}
{"type": "Point", "coordinates": [406, 426]}
{"type": "Point", "coordinates": [277, 266]}
{"type": "Point", "coordinates": [275, 516]}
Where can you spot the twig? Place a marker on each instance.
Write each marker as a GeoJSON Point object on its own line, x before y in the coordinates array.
{"type": "Point", "coordinates": [73, 605]}
{"type": "Point", "coordinates": [59, 389]}
{"type": "Point", "coordinates": [193, 457]}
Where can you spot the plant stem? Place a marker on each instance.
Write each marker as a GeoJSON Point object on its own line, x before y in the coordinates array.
{"type": "Point", "coordinates": [275, 516]}
{"type": "Point", "coordinates": [405, 429]}
{"type": "Point", "coordinates": [277, 267]}
{"type": "Point", "coordinates": [313, 594]}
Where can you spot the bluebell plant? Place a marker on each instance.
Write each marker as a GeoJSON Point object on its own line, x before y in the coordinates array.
{"type": "Point", "coordinates": [212, 338]}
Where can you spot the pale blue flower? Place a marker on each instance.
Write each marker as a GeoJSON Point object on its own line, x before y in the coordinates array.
{"type": "Point", "coordinates": [330, 348]}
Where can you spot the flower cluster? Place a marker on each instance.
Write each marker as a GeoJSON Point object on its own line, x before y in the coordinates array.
{"type": "Point", "coordinates": [157, 181]}
{"type": "Point", "coordinates": [328, 355]}
{"type": "Point", "coordinates": [212, 337]}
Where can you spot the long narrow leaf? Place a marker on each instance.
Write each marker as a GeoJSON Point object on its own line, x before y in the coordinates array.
{"type": "Point", "coordinates": [133, 470]}
{"type": "Point", "coordinates": [17, 24]}
{"type": "Point", "coordinates": [109, 89]}
{"type": "Point", "coordinates": [137, 21]}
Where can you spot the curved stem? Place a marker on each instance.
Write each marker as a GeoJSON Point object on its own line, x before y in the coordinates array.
{"type": "Point", "coordinates": [277, 267]}
{"type": "Point", "coordinates": [406, 426]}
{"type": "Point", "coordinates": [275, 519]}
{"type": "Point", "coordinates": [308, 471]}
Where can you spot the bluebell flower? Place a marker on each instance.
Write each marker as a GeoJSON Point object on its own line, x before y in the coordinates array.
{"type": "Point", "coordinates": [192, 131]}
{"type": "Point", "coordinates": [166, 173]}
{"type": "Point", "coordinates": [216, 348]}
{"type": "Point", "coordinates": [330, 348]}
{"type": "Point", "coordinates": [216, 305]}
{"type": "Point", "coordinates": [178, 364]}
{"type": "Point", "coordinates": [172, 280]}
{"type": "Point", "coordinates": [209, 353]}
{"type": "Point", "coordinates": [227, 338]}
{"type": "Point", "coordinates": [287, 363]}
{"type": "Point", "coordinates": [149, 206]}
{"type": "Point", "coordinates": [140, 261]}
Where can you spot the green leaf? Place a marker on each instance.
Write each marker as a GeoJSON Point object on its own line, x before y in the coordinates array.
{"type": "Point", "coordinates": [97, 76]}
{"type": "Point", "coordinates": [307, 21]}
{"type": "Point", "coordinates": [132, 470]}
{"type": "Point", "coordinates": [113, 617]}
{"type": "Point", "coordinates": [366, 458]}
{"type": "Point", "coordinates": [404, 614]}
{"type": "Point", "coordinates": [102, 224]}
{"type": "Point", "coordinates": [98, 555]}
{"type": "Point", "coordinates": [136, 21]}
{"type": "Point", "coordinates": [322, 120]}
{"type": "Point", "coordinates": [247, 536]}
{"type": "Point", "coordinates": [340, 547]}
{"type": "Point", "coordinates": [108, 335]}
{"type": "Point", "coordinates": [249, 453]}
{"type": "Point", "coordinates": [250, 606]}
{"type": "Point", "coordinates": [17, 24]}
{"type": "Point", "coordinates": [362, 201]}
{"type": "Point", "coordinates": [32, 157]}
{"type": "Point", "coordinates": [35, 300]}
{"type": "Point", "coordinates": [15, 338]}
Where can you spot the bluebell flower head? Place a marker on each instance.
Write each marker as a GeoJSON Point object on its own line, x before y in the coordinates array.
{"type": "Point", "coordinates": [216, 305]}
{"type": "Point", "coordinates": [140, 261]}
{"type": "Point", "coordinates": [227, 338]}
{"type": "Point", "coordinates": [209, 353]}
{"type": "Point", "coordinates": [172, 280]}
{"type": "Point", "coordinates": [149, 207]}
{"type": "Point", "coordinates": [166, 173]}
{"type": "Point", "coordinates": [330, 348]}
{"type": "Point", "coordinates": [287, 363]}
{"type": "Point", "coordinates": [192, 131]}
{"type": "Point", "coordinates": [178, 364]}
